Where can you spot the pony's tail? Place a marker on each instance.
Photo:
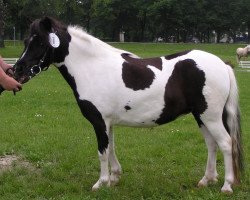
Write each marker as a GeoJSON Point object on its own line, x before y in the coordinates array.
{"type": "Point", "coordinates": [234, 126]}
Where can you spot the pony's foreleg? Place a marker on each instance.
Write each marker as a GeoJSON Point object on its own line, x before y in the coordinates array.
{"type": "Point", "coordinates": [116, 169]}
{"type": "Point", "coordinates": [101, 127]}
{"type": "Point", "coordinates": [237, 58]}
{"type": "Point", "coordinates": [222, 138]}
{"type": "Point", "coordinates": [103, 153]}
{"type": "Point", "coordinates": [211, 172]}
{"type": "Point", "coordinates": [104, 174]}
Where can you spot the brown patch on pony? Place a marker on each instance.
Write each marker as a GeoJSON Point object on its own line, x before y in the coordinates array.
{"type": "Point", "coordinates": [135, 73]}
{"type": "Point", "coordinates": [137, 77]}
{"type": "Point", "coordinates": [156, 62]}
{"type": "Point", "coordinates": [175, 55]}
{"type": "Point", "coordinates": [183, 93]}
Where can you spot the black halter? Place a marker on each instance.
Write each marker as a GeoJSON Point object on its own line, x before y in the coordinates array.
{"type": "Point", "coordinates": [36, 69]}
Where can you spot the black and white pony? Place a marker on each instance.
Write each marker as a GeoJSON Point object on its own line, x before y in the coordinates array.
{"type": "Point", "coordinates": [115, 87]}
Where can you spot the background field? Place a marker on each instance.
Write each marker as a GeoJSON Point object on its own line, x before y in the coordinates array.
{"type": "Point", "coordinates": [43, 125]}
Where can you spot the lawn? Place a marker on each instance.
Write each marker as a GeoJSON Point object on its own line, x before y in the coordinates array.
{"type": "Point", "coordinates": [44, 127]}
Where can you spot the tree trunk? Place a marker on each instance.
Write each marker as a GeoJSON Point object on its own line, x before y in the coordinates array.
{"type": "Point", "coordinates": [178, 36]}
{"type": "Point", "coordinates": [142, 26]}
{"type": "Point", "coordinates": [1, 24]}
{"type": "Point", "coordinates": [218, 36]}
{"type": "Point", "coordinates": [208, 36]}
{"type": "Point", "coordinates": [234, 36]}
{"type": "Point", "coordinates": [1, 41]}
{"type": "Point", "coordinates": [248, 29]}
{"type": "Point", "coordinates": [184, 36]}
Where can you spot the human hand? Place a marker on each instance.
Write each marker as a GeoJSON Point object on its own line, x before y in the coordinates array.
{"type": "Point", "coordinates": [5, 66]}
{"type": "Point", "coordinates": [9, 83]}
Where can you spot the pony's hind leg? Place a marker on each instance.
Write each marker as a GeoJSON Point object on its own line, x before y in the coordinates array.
{"type": "Point", "coordinates": [211, 172]}
{"type": "Point", "coordinates": [116, 169]}
{"type": "Point", "coordinates": [223, 139]}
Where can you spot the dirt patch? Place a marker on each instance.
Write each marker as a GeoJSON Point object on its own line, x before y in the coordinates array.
{"type": "Point", "coordinates": [8, 162]}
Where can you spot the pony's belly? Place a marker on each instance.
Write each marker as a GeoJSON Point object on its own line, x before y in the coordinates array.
{"type": "Point", "coordinates": [134, 123]}
{"type": "Point", "coordinates": [137, 125]}
{"type": "Point", "coordinates": [138, 117]}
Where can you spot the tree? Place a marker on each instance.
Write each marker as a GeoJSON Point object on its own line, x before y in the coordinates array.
{"type": "Point", "coordinates": [2, 22]}
{"type": "Point", "coordinates": [246, 16]}
{"type": "Point", "coordinates": [140, 23]}
{"type": "Point", "coordinates": [141, 20]}
{"type": "Point", "coordinates": [163, 19]}
{"type": "Point", "coordinates": [22, 12]}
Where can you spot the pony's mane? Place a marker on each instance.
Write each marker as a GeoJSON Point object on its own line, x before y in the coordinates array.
{"type": "Point", "coordinates": [80, 33]}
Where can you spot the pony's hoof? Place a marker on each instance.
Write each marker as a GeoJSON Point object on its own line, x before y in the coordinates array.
{"type": "Point", "coordinates": [100, 183]}
{"type": "Point", "coordinates": [115, 177]}
{"type": "Point", "coordinates": [96, 186]}
{"type": "Point", "coordinates": [227, 189]}
{"type": "Point", "coordinates": [202, 184]}
{"type": "Point", "coordinates": [205, 181]}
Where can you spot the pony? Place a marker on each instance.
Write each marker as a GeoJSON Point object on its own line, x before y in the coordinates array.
{"type": "Point", "coordinates": [116, 87]}
{"type": "Point", "coordinates": [242, 52]}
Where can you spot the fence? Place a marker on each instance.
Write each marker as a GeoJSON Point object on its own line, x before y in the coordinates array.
{"type": "Point", "coordinates": [13, 42]}
{"type": "Point", "coordinates": [244, 64]}
{"type": "Point", "coordinates": [10, 61]}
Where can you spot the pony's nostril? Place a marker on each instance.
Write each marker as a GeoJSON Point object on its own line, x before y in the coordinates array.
{"type": "Point", "coordinates": [18, 70]}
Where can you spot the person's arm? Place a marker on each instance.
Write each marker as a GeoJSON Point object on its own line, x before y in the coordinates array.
{"type": "Point", "coordinates": [4, 65]}
{"type": "Point", "coordinates": [7, 82]}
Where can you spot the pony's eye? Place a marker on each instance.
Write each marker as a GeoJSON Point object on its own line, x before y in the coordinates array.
{"type": "Point", "coordinates": [41, 44]}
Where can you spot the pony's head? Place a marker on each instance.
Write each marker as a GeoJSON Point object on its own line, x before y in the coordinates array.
{"type": "Point", "coordinates": [248, 48]}
{"type": "Point", "coordinates": [47, 43]}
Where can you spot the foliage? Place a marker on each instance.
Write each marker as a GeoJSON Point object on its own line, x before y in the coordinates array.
{"type": "Point", "coordinates": [2, 21]}
{"type": "Point", "coordinates": [141, 20]}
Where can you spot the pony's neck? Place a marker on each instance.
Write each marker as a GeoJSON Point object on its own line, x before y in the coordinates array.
{"type": "Point", "coordinates": [89, 45]}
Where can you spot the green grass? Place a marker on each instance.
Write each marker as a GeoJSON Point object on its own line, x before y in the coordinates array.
{"type": "Point", "coordinates": [11, 51]}
{"type": "Point", "coordinates": [43, 125]}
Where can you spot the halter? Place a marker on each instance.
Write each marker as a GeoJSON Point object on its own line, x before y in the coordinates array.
{"type": "Point", "coordinates": [36, 69]}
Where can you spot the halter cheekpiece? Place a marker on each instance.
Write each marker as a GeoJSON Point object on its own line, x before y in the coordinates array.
{"type": "Point", "coordinates": [36, 69]}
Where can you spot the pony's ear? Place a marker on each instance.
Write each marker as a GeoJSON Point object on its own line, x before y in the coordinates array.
{"type": "Point", "coordinates": [46, 24]}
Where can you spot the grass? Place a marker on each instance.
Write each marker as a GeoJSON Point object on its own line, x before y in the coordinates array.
{"type": "Point", "coordinates": [43, 125]}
